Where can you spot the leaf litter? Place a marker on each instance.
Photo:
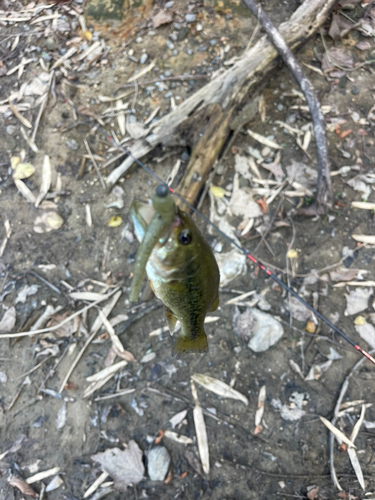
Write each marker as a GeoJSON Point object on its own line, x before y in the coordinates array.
{"type": "Point", "coordinates": [124, 466]}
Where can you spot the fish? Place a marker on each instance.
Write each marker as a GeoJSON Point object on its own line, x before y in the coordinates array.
{"type": "Point", "coordinates": [180, 266]}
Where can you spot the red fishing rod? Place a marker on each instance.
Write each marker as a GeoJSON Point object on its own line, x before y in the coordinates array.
{"type": "Point", "coordinates": [224, 235]}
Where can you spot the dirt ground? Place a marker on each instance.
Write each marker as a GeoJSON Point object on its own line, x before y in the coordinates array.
{"type": "Point", "coordinates": [42, 428]}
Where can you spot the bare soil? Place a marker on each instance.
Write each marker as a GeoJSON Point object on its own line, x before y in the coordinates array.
{"type": "Point", "coordinates": [287, 457]}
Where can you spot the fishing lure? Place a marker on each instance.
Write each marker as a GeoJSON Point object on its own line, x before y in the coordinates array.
{"type": "Point", "coordinates": [180, 265]}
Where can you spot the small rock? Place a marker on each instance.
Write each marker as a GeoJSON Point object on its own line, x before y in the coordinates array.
{"type": "Point", "coordinates": [202, 48]}
{"type": "Point", "coordinates": [212, 42]}
{"type": "Point", "coordinates": [158, 463]}
{"type": "Point", "coordinates": [190, 18]}
{"type": "Point", "coordinates": [199, 27]}
{"type": "Point", "coordinates": [355, 91]}
{"type": "Point", "coordinates": [266, 151]}
{"type": "Point", "coordinates": [72, 145]}
{"type": "Point", "coordinates": [170, 45]}
{"type": "Point", "coordinates": [174, 52]}
{"type": "Point", "coordinates": [139, 39]}
{"type": "Point", "coordinates": [182, 34]}
{"type": "Point", "coordinates": [170, 4]}
{"type": "Point", "coordinates": [189, 52]}
{"type": "Point", "coordinates": [280, 107]}
{"type": "Point", "coordinates": [185, 156]}
{"type": "Point", "coordinates": [173, 37]}
{"type": "Point", "coordinates": [143, 58]}
{"type": "Point", "coordinates": [11, 129]}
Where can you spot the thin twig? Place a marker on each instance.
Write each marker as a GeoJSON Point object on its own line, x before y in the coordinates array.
{"type": "Point", "coordinates": [324, 192]}
{"type": "Point", "coordinates": [264, 235]}
{"type": "Point", "coordinates": [344, 388]}
{"type": "Point", "coordinates": [95, 164]}
{"type": "Point", "coordinates": [42, 108]}
{"type": "Point", "coordinates": [56, 327]}
{"type": "Point", "coordinates": [43, 280]}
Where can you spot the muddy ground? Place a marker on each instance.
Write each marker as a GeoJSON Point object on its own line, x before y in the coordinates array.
{"type": "Point", "coordinates": [287, 459]}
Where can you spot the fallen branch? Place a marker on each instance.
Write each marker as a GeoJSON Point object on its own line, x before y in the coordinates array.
{"type": "Point", "coordinates": [324, 192]}
{"type": "Point", "coordinates": [217, 102]}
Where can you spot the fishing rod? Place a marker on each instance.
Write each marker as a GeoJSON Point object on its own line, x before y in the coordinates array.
{"type": "Point", "coordinates": [224, 235]}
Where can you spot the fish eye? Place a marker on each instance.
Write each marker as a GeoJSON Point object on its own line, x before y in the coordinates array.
{"type": "Point", "coordinates": [185, 237]}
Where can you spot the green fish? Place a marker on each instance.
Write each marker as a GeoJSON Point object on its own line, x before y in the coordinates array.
{"type": "Point", "coordinates": [180, 266]}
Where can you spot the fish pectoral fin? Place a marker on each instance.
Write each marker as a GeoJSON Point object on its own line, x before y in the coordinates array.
{"type": "Point", "coordinates": [187, 344]}
{"type": "Point", "coordinates": [215, 305]}
{"type": "Point", "coordinates": [171, 319]}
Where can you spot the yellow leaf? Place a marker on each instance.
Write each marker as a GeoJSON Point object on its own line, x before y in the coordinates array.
{"type": "Point", "coordinates": [218, 192]}
{"type": "Point", "coordinates": [14, 161]}
{"type": "Point", "coordinates": [292, 254]}
{"type": "Point", "coordinates": [23, 171]}
{"type": "Point", "coordinates": [115, 221]}
{"type": "Point", "coordinates": [359, 321]}
{"type": "Point", "coordinates": [88, 35]}
{"type": "Point", "coordinates": [310, 326]}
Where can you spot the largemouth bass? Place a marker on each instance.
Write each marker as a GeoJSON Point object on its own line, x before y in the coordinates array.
{"type": "Point", "coordinates": [180, 266]}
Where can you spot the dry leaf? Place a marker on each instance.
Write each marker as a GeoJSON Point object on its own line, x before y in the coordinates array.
{"type": "Point", "coordinates": [340, 435]}
{"type": "Point", "coordinates": [178, 418]}
{"type": "Point", "coordinates": [46, 180]}
{"type": "Point", "coordinates": [8, 320]}
{"type": "Point", "coordinates": [356, 466]}
{"type": "Point", "coordinates": [231, 265]}
{"type": "Point", "coordinates": [124, 466]}
{"type": "Point", "coordinates": [364, 238]}
{"type": "Point", "coordinates": [61, 417]}
{"type": "Point", "coordinates": [357, 300]}
{"type": "Point", "coordinates": [162, 17]}
{"type": "Point", "coordinates": [23, 171]}
{"type": "Point", "coordinates": [242, 201]}
{"type": "Point", "coordinates": [218, 387]}
{"type": "Point", "coordinates": [260, 410]}
{"type": "Point", "coordinates": [178, 437]}
{"type": "Point", "coordinates": [336, 57]}
{"type": "Point", "coordinates": [115, 221]}
{"type": "Point", "coordinates": [217, 191]}
{"type": "Point", "coordinates": [201, 432]}
{"type": "Point", "coordinates": [367, 332]}
{"type": "Point", "coordinates": [43, 475]}
{"type": "Point", "coordinates": [24, 488]}
{"type": "Point", "coordinates": [264, 140]}
{"type": "Point", "coordinates": [47, 222]}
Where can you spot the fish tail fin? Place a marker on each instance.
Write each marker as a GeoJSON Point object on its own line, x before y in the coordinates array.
{"type": "Point", "coordinates": [186, 344]}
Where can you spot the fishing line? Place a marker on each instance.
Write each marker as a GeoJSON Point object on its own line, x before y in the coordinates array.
{"type": "Point", "coordinates": [224, 235]}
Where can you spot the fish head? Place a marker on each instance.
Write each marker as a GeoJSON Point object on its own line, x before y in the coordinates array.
{"type": "Point", "coordinates": [178, 246]}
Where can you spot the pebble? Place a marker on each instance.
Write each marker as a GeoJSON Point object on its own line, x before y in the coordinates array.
{"type": "Point", "coordinates": [185, 155]}
{"type": "Point", "coordinates": [355, 91]}
{"type": "Point", "coordinates": [280, 107]}
{"type": "Point", "coordinates": [190, 18]}
{"type": "Point", "coordinates": [212, 42]}
{"type": "Point", "coordinates": [46, 57]}
{"type": "Point", "coordinates": [152, 33]}
{"type": "Point", "coordinates": [182, 34]}
{"type": "Point", "coordinates": [266, 151]}
{"type": "Point", "coordinates": [170, 4]}
{"type": "Point", "coordinates": [157, 463]}
{"type": "Point", "coordinates": [189, 52]}
{"type": "Point", "coordinates": [170, 45]}
{"type": "Point", "coordinates": [139, 39]}
{"type": "Point", "coordinates": [11, 129]}
{"type": "Point", "coordinates": [199, 27]}
{"type": "Point", "coordinates": [175, 52]}
{"type": "Point", "coordinates": [202, 48]}
{"type": "Point", "coordinates": [143, 58]}
{"type": "Point", "coordinates": [173, 37]}
{"type": "Point", "coordinates": [167, 73]}
{"type": "Point", "coordinates": [72, 144]}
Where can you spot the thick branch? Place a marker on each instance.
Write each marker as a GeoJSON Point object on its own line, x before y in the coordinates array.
{"type": "Point", "coordinates": [230, 88]}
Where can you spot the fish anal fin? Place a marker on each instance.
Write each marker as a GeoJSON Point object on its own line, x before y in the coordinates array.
{"type": "Point", "coordinates": [215, 305]}
{"type": "Point", "coordinates": [185, 344]}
